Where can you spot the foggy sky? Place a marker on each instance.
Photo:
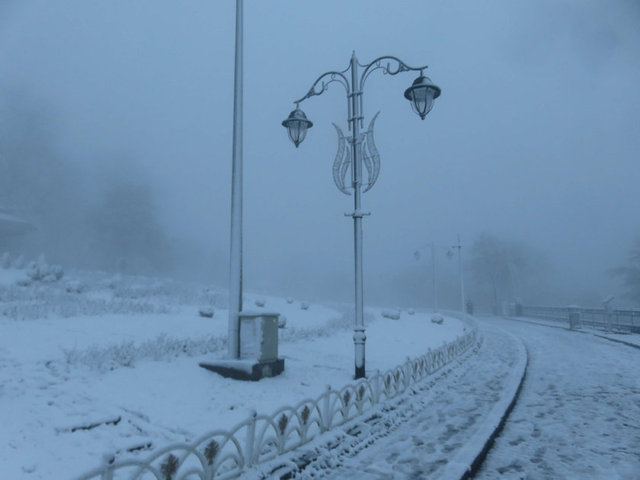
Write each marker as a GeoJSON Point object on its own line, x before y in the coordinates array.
{"type": "Point", "coordinates": [536, 136]}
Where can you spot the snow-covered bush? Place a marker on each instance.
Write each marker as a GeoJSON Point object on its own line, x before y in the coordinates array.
{"type": "Point", "coordinates": [206, 312]}
{"type": "Point", "coordinates": [127, 353]}
{"type": "Point", "coordinates": [437, 319]}
{"type": "Point", "coordinates": [74, 287]}
{"type": "Point", "coordinates": [19, 262]}
{"type": "Point", "coordinates": [41, 272]}
{"type": "Point", "coordinates": [411, 311]}
{"type": "Point", "coordinates": [260, 302]}
{"type": "Point", "coordinates": [289, 300]}
{"type": "Point", "coordinates": [391, 314]}
{"type": "Point", "coordinates": [45, 300]}
{"type": "Point", "coordinates": [304, 306]}
{"type": "Point", "coordinates": [282, 321]}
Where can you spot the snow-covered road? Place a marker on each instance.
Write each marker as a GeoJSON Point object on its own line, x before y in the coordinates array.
{"type": "Point", "coordinates": [416, 436]}
{"type": "Point", "coordinates": [578, 414]}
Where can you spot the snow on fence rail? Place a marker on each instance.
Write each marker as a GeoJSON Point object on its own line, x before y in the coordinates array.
{"type": "Point", "coordinates": [619, 320]}
{"type": "Point", "coordinates": [221, 454]}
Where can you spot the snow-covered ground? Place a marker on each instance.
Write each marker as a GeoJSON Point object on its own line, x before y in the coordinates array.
{"type": "Point", "coordinates": [94, 363]}
{"type": "Point", "coordinates": [578, 415]}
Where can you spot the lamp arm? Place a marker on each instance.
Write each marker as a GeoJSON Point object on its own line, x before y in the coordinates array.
{"type": "Point", "coordinates": [321, 84]}
{"type": "Point", "coordinates": [387, 69]}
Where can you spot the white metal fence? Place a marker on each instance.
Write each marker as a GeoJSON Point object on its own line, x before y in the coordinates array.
{"type": "Point", "coordinates": [616, 320]}
{"type": "Point", "coordinates": [221, 454]}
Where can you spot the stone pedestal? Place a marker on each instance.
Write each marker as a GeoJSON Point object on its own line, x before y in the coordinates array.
{"type": "Point", "coordinates": [258, 349]}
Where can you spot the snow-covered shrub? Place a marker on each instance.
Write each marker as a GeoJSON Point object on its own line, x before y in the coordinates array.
{"type": "Point", "coordinates": [206, 312]}
{"type": "Point", "coordinates": [33, 271]}
{"type": "Point", "coordinates": [289, 300]}
{"type": "Point", "coordinates": [41, 272]}
{"type": "Point", "coordinates": [391, 314]}
{"type": "Point", "coordinates": [333, 325]}
{"type": "Point", "coordinates": [411, 311]}
{"type": "Point", "coordinates": [127, 353]}
{"type": "Point", "coordinates": [75, 287]}
{"type": "Point", "coordinates": [437, 318]}
{"type": "Point", "coordinates": [19, 262]}
{"type": "Point", "coordinates": [56, 271]}
{"type": "Point", "coordinates": [24, 282]}
{"type": "Point", "coordinates": [304, 306]}
{"type": "Point", "coordinates": [5, 261]}
{"type": "Point", "coordinates": [261, 302]}
{"type": "Point", "coordinates": [282, 321]}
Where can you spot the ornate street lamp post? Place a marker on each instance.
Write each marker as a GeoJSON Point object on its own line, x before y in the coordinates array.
{"type": "Point", "coordinates": [357, 149]}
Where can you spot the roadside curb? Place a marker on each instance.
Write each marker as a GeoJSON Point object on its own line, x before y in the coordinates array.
{"type": "Point", "coordinates": [470, 457]}
{"type": "Point", "coordinates": [628, 344]}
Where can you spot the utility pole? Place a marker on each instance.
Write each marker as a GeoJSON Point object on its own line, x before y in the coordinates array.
{"type": "Point", "coordinates": [235, 267]}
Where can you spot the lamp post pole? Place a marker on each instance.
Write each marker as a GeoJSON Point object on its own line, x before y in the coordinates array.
{"type": "Point", "coordinates": [434, 275]}
{"type": "Point", "coordinates": [235, 264]}
{"type": "Point", "coordinates": [460, 274]}
{"type": "Point", "coordinates": [359, 337]}
{"type": "Point", "coordinates": [357, 149]}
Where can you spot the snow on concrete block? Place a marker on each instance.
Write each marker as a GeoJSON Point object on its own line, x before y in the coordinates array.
{"type": "Point", "coordinates": [282, 321]}
{"type": "Point", "coordinates": [391, 314]}
{"type": "Point", "coordinates": [411, 311]}
{"type": "Point", "coordinates": [304, 306]}
{"type": "Point", "coordinates": [206, 312]}
{"type": "Point", "coordinates": [259, 336]}
{"type": "Point", "coordinates": [289, 300]}
{"type": "Point", "coordinates": [261, 302]}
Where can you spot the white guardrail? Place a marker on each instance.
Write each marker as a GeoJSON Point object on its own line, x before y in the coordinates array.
{"type": "Point", "coordinates": [610, 320]}
{"type": "Point", "coordinates": [221, 454]}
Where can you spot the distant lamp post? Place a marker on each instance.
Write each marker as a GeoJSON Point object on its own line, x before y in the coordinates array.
{"type": "Point", "coordinates": [357, 149]}
{"type": "Point", "coordinates": [461, 276]}
{"type": "Point", "coordinates": [449, 253]}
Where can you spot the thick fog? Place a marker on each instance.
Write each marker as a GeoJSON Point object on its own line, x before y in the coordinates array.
{"type": "Point", "coordinates": [116, 131]}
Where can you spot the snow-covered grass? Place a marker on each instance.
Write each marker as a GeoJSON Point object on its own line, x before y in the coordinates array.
{"type": "Point", "coordinates": [94, 363]}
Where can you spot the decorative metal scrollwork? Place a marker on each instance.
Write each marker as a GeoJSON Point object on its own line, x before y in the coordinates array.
{"type": "Point", "coordinates": [322, 84]}
{"type": "Point", "coordinates": [393, 66]}
{"type": "Point", "coordinates": [368, 154]}
{"type": "Point", "coordinates": [371, 156]}
{"type": "Point", "coordinates": [342, 162]}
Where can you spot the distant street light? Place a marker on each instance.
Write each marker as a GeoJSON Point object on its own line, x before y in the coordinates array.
{"type": "Point", "coordinates": [449, 254]}
{"type": "Point", "coordinates": [357, 149]}
{"type": "Point", "coordinates": [460, 275]}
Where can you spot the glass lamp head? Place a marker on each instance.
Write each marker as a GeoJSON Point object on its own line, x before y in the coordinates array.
{"type": "Point", "coordinates": [421, 94]}
{"type": "Point", "coordinates": [297, 125]}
